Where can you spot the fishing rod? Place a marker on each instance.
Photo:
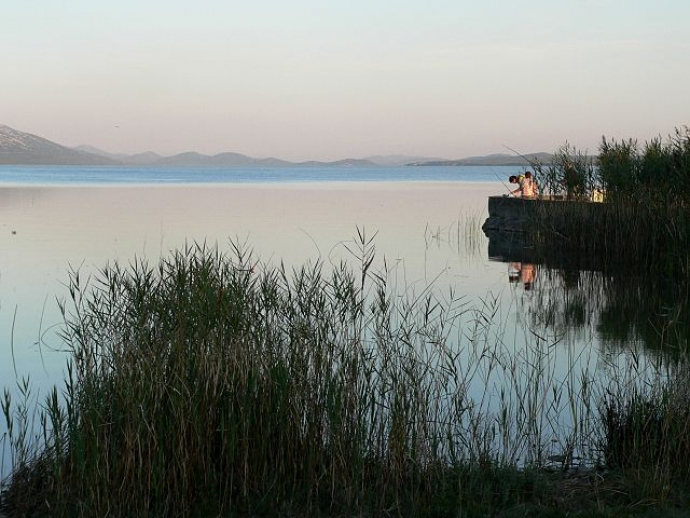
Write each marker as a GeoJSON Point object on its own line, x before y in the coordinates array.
{"type": "Point", "coordinates": [503, 183]}
{"type": "Point", "coordinates": [532, 164]}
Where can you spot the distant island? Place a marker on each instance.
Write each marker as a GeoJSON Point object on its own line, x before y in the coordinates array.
{"type": "Point", "coordinates": [495, 159]}
{"type": "Point", "coordinates": [20, 148]}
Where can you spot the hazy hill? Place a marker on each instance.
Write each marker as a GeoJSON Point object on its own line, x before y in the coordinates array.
{"type": "Point", "coordinates": [348, 162]}
{"type": "Point", "coordinates": [17, 147]}
{"type": "Point", "coordinates": [194, 159]}
{"type": "Point", "coordinates": [191, 159]}
{"type": "Point", "coordinates": [495, 159]}
{"type": "Point", "coordinates": [393, 160]}
{"type": "Point", "coordinates": [146, 158]}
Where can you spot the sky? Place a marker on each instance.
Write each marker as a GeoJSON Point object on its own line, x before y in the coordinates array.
{"type": "Point", "coordinates": [333, 79]}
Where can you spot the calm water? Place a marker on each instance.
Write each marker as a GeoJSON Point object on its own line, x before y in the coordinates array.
{"type": "Point", "coordinates": [108, 175]}
{"type": "Point", "coordinates": [426, 222]}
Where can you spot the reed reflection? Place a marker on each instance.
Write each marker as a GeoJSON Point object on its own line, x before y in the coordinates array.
{"type": "Point", "coordinates": [588, 301]}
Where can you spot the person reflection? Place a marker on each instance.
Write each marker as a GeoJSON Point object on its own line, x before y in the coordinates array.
{"type": "Point", "coordinates": [524, 273]}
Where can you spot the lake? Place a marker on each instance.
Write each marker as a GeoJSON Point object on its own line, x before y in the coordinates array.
{"type": "Point", "coordinates": [425, 224]}
{"type": "Point", "coordinates": [113, 175]}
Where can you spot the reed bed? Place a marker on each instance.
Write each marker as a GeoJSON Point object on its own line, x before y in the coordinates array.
{"type": "Point", "coordinates": [647, 432]}
{"type": "Point", "coordinates": [645, 222]}
{"type": "Point", "coordinates": [572, 174]}
{"type": "Point", "coordinates": [212, 384]}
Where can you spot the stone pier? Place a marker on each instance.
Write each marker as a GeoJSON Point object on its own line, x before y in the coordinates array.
{"type": "Point", "coordinates": [516, 214]}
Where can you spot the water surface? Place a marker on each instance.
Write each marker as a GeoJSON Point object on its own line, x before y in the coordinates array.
{"type": "Point", "coordinates": [426, 228]}
{"type": "Point", "coordinates": [46, 231]}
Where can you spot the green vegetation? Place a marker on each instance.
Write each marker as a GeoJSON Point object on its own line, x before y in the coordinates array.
{"type": "Point", "coordinates": [213, 385]}
{"type": "Point", "coordinates": [648, 436]}
{"type": "Point", "coordinates": [645, 223]}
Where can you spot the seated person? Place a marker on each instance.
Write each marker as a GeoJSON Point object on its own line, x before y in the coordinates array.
{"type": "Point", "coordinates": [529, 185]}
{"type": "Point", "coordinates": [520, 180]}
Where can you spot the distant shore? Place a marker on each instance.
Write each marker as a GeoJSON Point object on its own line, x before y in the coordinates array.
{"type": "Point", "coordinates": [20, 148]}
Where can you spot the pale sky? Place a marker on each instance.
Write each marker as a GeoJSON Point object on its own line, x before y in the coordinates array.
{"type": "Point", "coordinates": [330, 79]}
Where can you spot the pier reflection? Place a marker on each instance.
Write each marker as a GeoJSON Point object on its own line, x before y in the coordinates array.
{"type": "Point", "coordinates": [580, 297]}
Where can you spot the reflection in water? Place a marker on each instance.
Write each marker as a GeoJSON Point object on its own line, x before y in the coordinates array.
{"type": "Point", "coordinates": [595, 302]}
{"type": "Point", "coordinates": [565, 306]}
{"type": "Point", "coordinates": [524, 273]}
{"type": "Point", "coordinates": [652, 311]}
{"type": "Point", "coordinates": [44, 232]}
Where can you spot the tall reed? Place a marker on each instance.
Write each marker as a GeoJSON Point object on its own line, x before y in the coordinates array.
{"type": "Point", "coordinates": [647, 434]}
{"type": "Point", "coordinates": [571, 174]}
{"type": "Point", "coordinates": [213, 384]}
{"type": "Point", "coordinates": [645, 224]}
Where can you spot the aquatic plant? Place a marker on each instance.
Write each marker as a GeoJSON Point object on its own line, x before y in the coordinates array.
{"type": "Point", "coordinates": [647, 434]}
{"type": "Point", "coordinates": [649, 175]}
{"type": "Point", "coordinates": [645, 224]}
{"type": "Point", "coordinates": [214, 384]}
{"type": "Point", "coordinates": [217, 384]}
{"type": "Point", "coordinates": [571, 174]}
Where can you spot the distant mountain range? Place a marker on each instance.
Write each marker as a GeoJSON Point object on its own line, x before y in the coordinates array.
{"type": "Point", "coordinates": [495, 159]}
{"type": "Point", "coordinates": [19, 148]}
